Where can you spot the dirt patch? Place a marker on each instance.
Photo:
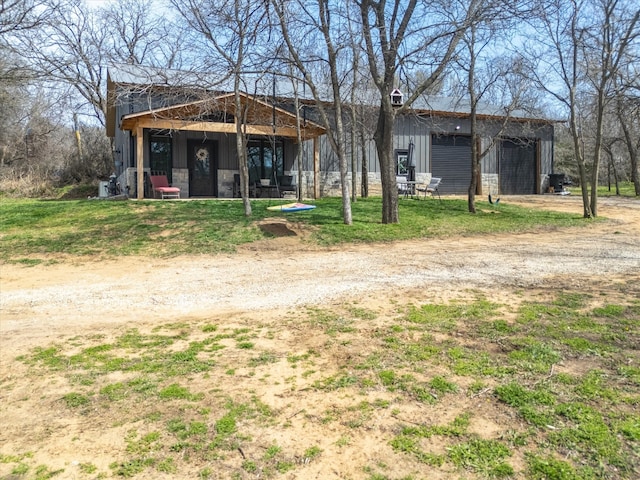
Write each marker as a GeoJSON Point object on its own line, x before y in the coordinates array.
{"type": "Point", "coordinates": [277, 228]}
{"type": "Point", "coordinates": [267, 288]}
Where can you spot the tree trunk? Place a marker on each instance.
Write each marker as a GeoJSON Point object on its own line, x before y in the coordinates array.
{"type": "Point", "coordinates": [340, 149]}
{"type": "Point", "coordinates": [241, 148]}
{"type": "Point", "coordinates": [364, 186]}
{"type": "Point", "coordinates": [354, 155]}
{"type": "Point", "coordinates": [384, 145]}
{"type": "Point", "coordinates": [597, 150]}
{"type": "Point", "coordinates": [475, 170]}
{"type": "Point", "coordinates": [574, 128]}
{"type": "Point", "coordinates": [473, 98]}
{"type": "Point", "coordinates": [632, 148]}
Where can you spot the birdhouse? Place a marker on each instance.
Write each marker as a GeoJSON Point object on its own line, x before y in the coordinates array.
{"type": "Point", "coordinates": [397, 98]}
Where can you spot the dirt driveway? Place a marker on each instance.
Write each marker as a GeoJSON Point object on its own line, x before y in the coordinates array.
{"type": "Point", "coordinates": [41, 302]}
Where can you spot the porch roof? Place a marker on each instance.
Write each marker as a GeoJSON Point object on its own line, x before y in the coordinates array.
{"type": "Point", "coordinates": [216, 115]}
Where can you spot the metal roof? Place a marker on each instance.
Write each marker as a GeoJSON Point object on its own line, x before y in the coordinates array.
{"type": "Point", "coordinates": [263, 86]}
{"type": "Point", "coordinates": [256, 85]}
{"type": "Point", "coordinates": [462, 106]}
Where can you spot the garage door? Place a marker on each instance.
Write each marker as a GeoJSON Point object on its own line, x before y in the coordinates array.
{"type": "Point", "coordinates": [451, 160]}
{"type": "Point", "coordinates": [517, 167]}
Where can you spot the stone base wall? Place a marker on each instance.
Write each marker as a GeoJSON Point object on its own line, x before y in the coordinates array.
{"type": "Point", "coordinates": [490, 183]}
{"type": "Point", "coordinates": [129, 179]}
{"type": "Point", "coordinates": [329, 182]}
{"type": "Point", "coordinates": [180, 179]}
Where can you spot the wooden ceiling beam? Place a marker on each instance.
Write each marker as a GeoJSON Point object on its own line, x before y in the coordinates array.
{"type": "Point", "coordinates": [133, 124]}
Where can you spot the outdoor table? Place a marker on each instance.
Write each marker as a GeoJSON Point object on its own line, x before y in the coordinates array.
{"type": "Point", "coordinates": [408, 187]}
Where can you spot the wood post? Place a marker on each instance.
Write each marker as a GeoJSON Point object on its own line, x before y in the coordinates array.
{"type": "Point", "coordinates": [140, 162]}
{"type": "Point", "coordinates": [316, 168]}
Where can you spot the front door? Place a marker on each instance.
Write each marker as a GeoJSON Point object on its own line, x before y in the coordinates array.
{"type": "Point", "coordinates": [203, 168]}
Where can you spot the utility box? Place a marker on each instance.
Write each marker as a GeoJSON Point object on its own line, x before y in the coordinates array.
{"type": "Point", "coordinates": [103, 189]}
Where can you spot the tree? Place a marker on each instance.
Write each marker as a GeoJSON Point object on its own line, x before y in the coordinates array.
{"type": "Point", "coordinates": [33, 142]}
{"type": "Point", "coordinates": [628, 114]}
{"type": "Point", "coordinates": [302, 23]}
{"type": "Point", "coordinates": [73, 45]}
{"type": "Point", "coordinates": [560, 74]}
{"type": "Point", "coordinates": [23, 15]}
{"type": "Point", "coordinates": [66, 47]}
{"type": "Point", "coordinates": [69, 50]}
{"type": "Point", "coordinates": [489, 68]}
{"type": "Point", "coordinates": [233, 28]}
{"type": "Point", "coordinates": [138, 35]}
{"type": "Point", "coordinates": [399, 34]}
{"type": "Point", "coordinates": [583, 49]}
{"type": "Point", "coordinates": [627, 110]}
{"type": "Point", "coordinates": [614, 31]}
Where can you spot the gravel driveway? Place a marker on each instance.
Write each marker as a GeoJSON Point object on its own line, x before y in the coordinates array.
{"type": "Point", "coordinates": [39, 301]}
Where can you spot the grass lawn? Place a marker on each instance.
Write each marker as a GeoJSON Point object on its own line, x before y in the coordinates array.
{"type": "Point", "coordinates": [537, 383]}
{"type": "Point", "coordinates": [30, 230]}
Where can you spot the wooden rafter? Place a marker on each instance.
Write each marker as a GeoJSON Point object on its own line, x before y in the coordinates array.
{"type": "Point", "coordinates": [189, 117]}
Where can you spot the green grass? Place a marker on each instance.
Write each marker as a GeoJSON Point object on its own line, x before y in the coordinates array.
{"type": "Point", "coordinates": [627, 189]}
{"type": "Point", "coordinates": [33, 229]}
{"type": "Point", "coordinates": [556, 380]}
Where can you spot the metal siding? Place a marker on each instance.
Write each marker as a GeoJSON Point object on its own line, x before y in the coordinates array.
{"type": "Point", "coordinates": [451, 161]}
{"type": "Point", "coordinates": [408, 127]}
{"type": "Point", "coordinates": [227, 157]}
{"type": "Point", "coordinates": [489, 163]}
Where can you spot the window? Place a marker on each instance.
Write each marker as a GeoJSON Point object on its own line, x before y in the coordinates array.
{"type": "Point", "coordinates": [160, 155]}
{"type": "Point", "coordinates": [263, 157]}
{"type": "Point", "coordinates": [402, 162]}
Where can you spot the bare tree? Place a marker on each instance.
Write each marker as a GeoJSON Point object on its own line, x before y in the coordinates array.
{"type": "Point", "coordinates": [140, 35]}
{"type": "Point", "coordinates": [406, 33]}
{"type": "Point", "coordinates": [69, 50]}
{"type": "Point", "coordinates": [615, 30]}
{"type": "Point", "coordinates": [66, 47]}
{"type": "Point", "coordinates": [560, 75]}
{"type": "Point", "coordinates": [75, 44]}
{"type": "Point", "coordinates": [628, 114]}
{"type": "Point", "coordinates": [302, 23]}
{"type": "Point", "coordinates": [232, 28]}
{"type": "Point", "coordinates": [23, 15]}
{"type": "Point", "coordinates": [583, 49]}
{"type": "Point", "coordinates": [489, 68]}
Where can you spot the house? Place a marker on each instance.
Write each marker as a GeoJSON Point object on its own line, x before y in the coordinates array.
{"type": "Point", "coordinates": [183, 125]}
{"type": "Point", "coordinates": [189, 134]}
{"type": "Point", "coordinates": [519, 146]}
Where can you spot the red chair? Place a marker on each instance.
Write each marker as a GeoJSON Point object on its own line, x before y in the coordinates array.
{"type": "Point", "coordinates": [160, 185]}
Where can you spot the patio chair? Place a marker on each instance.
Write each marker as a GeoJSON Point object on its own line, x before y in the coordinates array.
{"type": "Point", "coordinates": [160, 186]}
{"type": "Point", "coordinates": [432, 188]}
{"type": "Point", "coordinates": [403, 189]}
{"type": "Point", "coordinates": [286, 185]}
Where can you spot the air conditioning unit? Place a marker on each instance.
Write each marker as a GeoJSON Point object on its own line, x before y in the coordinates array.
{"type": "Point", "coordinates": [103, 189]}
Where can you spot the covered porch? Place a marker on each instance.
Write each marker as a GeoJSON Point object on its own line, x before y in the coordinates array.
{"type": "Point", "coordinates": [207, 131]}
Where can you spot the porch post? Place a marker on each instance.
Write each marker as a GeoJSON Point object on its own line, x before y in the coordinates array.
{"type": "Point", "coordinates": [316, 168]}
{"type": "Point", "coordinates": [140, 162]}
{"type": "Point", "coordinates": [538, 165]}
